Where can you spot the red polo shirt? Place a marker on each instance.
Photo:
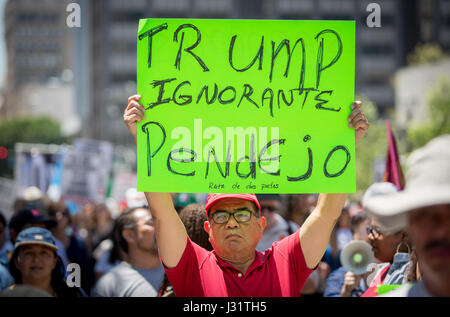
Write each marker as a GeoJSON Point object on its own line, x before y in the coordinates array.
{"type": "Point", "coordinates": [280, 271]}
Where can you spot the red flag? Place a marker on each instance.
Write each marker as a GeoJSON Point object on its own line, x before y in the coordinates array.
{"type": "Point", "coordinates": [393, 172]}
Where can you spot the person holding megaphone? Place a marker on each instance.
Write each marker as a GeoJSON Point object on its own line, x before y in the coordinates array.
{"type": "Point", "coordinates": [390, 243]}
{"type": "Point", "coordinates": [345, 282]}
{"type": "Point", "coordinates": [376, 239]}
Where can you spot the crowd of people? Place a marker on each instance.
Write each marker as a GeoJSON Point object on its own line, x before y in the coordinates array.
{"type": "Point", "coordinates": [124, 262]}
{"type": "Point", "coordinates": [238, 244]}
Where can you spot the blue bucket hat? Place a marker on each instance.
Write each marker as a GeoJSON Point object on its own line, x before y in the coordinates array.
{"type": "Point", "coordinates": [35, 235]}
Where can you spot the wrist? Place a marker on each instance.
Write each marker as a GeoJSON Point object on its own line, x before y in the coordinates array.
{"type": "Point", "coordinates": [345, 293]}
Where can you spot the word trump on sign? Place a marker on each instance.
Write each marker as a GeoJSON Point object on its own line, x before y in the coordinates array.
{"type": "Point", "coordinates": [245, 105]}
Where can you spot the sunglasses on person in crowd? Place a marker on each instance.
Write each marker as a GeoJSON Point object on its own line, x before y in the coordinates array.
{"type": "Point", "coordinates": [374, 231]}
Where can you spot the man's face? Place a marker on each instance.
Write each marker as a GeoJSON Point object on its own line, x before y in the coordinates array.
{"type": "Point", "coordinates": [144, 233]}
{"type": "Point", "coordinates": [268, 209]}
{"type": "Point", "coordinates": [35, 262]}
{"type": "Point", "coordinates": [430, 234]}
{"type": "Point", "coordinates": [232, 237]}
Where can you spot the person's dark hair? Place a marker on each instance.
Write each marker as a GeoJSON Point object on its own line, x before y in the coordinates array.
{"type": "Point", "coordinates": [193, 217]}
{"type": "Point", "coordinates": [126, 220]}
{"type": "Point", "coordinates": [2, 219]}
{"type": "Point", "coordinates": [57, 281]}
{"type": "Point", "coordinates": [114, 255]}
{"type": "Point", "coordinates": [357, 219]}
{"type": "Point", "coordinates": [292, 208]}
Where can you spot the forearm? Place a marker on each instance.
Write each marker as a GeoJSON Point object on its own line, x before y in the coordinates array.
{"type": "Point", "coordinates": [171, 233]}
{"type": "Point", "coordinates": [344, 292]}
{"type": "Point", "coordinates": [316, 231]}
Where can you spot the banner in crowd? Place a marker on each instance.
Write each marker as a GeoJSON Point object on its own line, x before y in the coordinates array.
{"type": "Point", "coordinates": [7, 197]}
{"type": "Point", "coordinates": [35, 166]}
{"type": "Point", "coordinates": [124, 182]}
{"type": "Point", "coordinates": [86, 171]}
{"type": "Point", "coordinates": [246, 106]}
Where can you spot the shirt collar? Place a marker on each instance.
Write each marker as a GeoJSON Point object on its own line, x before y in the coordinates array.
{"type": "Point", "coordinates": [259, 260]}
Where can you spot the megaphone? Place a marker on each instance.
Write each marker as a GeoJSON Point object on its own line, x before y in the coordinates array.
{"type": "Point", "coordinates": [356, 256]}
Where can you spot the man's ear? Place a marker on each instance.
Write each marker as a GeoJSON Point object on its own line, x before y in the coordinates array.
{"type": "Point", "coordinates": [207, 226]}
{"type": "Point", "coordinates": [128, 235]}
{"type": "Point", "coordinates": [262, 222]}
{"type": "Point", "coordinates": [16, 261]}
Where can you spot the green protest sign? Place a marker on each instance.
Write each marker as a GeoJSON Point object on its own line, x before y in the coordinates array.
{"type": "Point", "coordinates": [383, 289]}
{"type": "Point", "coordinates": [255, 106]}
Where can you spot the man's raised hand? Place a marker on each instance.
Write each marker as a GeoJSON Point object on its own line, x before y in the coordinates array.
{"type": "Point", "coordinates": [358, 121]}
{"type": "Point", "coordinates": [134, 112]}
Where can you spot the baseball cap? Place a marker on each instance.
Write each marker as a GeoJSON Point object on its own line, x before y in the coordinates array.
{"type": "Point", "coordinates": [427, 181]}
{"type": "Point", "coordinates": [26, 215]}
{"type": "Point", "coordinates": [35, 235]}
{"type": "Point", "coordinates": [213, 198]}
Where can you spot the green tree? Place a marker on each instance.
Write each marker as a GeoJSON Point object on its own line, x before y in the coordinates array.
{"type": "Point", "coordinates": [373, 145]}
{"type": "Point", "coordinates": [438, 121]}
{"type": "Point", "coordinates": [426, 53]}
{"type": "Point", "coordinates": [42, 130]}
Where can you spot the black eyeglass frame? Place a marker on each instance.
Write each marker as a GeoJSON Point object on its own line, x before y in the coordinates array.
{"type": "Point", "coordinates": [229, 214]}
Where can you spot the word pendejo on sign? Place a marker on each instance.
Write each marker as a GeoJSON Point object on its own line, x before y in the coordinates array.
{"type": "Point", "coordinates": [245, 106]}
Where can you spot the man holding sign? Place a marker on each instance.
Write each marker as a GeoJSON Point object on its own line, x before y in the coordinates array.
{"type": "Point", "coordinates": [235, 227]}
{"type": "Point", "coordinates": [189, 79]}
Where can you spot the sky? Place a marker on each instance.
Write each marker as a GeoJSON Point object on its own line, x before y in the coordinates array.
{"type": "Point", "coordinates": [2, 45]}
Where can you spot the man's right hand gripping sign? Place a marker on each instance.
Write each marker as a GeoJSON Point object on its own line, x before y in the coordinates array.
{"type": "Point", "coordinates": [235, 226]}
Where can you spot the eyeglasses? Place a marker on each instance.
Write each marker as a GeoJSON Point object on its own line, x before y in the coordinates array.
{"type": "Point", "coordinates": [374, 231]}
{"type": "Point", "coordinates": [222, 217]}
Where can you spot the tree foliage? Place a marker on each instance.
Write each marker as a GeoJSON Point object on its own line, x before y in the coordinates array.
{"type": "Point", "coordinates": [373, 145]}
{"type": "Point", "coordinates": [426, 53]}
{"type": "Point", "coordinates": [42, 130]}
{"type": "Point", "coordinates": [438, 122]}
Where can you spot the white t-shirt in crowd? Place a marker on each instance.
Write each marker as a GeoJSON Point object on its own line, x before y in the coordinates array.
{"type": "Point", "coordinates": [125, 280]}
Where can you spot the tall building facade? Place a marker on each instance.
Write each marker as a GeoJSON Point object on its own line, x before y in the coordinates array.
{"type": "Point", "coordinates": [380, 51]}
{"type": "Point", "coordinates": [103, 53]}
{"type": "Point", "coordinates": [39, 47]}
{"type": "Point", "coordinates": [114, 25]}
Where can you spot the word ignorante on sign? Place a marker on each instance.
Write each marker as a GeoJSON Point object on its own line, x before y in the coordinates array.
{"type": "Point", "coordinates": [212, 93]}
